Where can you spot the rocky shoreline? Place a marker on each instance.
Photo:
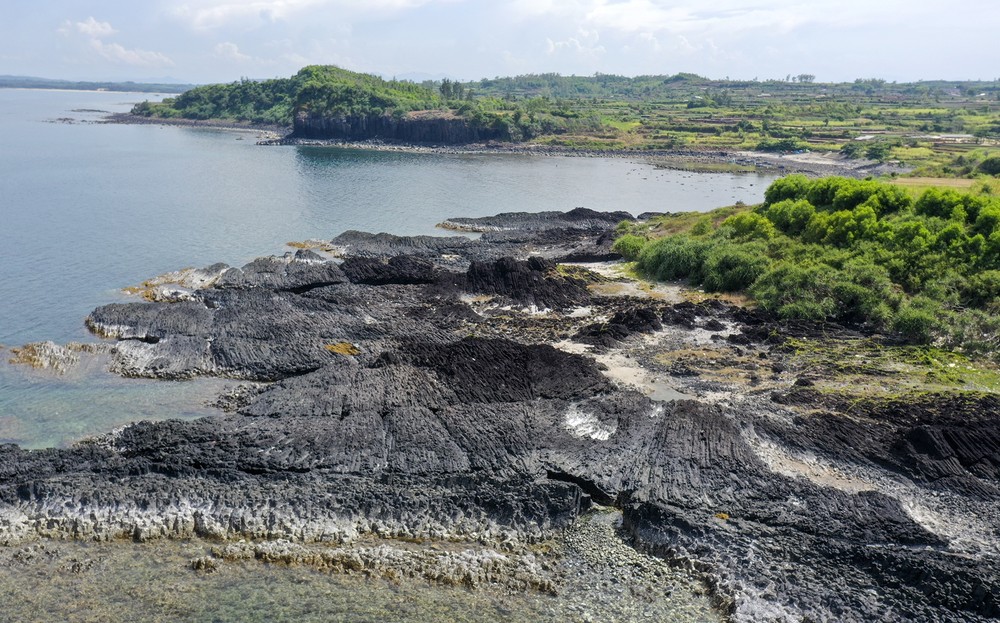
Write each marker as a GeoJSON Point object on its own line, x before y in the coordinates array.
{"type": "Point", "coordinates": [722, 161]}
{"type": "Point", "coordinates": [444, 390]}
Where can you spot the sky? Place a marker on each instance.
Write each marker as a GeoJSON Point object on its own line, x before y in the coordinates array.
{"type": "Point", "coordinates": [201, 41]}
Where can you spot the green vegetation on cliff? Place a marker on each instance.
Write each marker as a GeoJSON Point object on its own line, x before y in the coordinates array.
{"type": "Point", "coordinates": [319, 89]}
{"type": "Point", "coordinates": [853, 251]}
{"type": "Point", "coordinates": [327, 92]}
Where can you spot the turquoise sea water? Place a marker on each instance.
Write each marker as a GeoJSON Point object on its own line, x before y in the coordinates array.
{"type": "Point", "coordinates": [89, 208]}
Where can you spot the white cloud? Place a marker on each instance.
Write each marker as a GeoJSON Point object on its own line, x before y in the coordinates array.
{"type": "Point", "coordinates": [93, 28]}
{"type": "Point", "coordinates": [119, 54]}
{"type": "Point", "coordinates": [231, 51]}
{"type": "Point", "coordinates": [718, 17]}
{"type": "Point", "coordinates": [211, 14]}
{"type": "Point", "coordinates": [89, 27]}
{"type": "Point", "coordinates": [94, 34]}
{"type": "Point", "coordinates": [584, 44]}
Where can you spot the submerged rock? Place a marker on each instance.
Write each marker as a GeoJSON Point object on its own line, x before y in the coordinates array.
{"type": "Point", "coordinates": [578, 218]}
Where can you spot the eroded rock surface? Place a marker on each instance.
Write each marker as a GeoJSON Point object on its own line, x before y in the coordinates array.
{"type": "Point", "coordinates": [420, 396]}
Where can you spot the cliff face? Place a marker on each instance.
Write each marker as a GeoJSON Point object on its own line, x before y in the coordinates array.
{"type": "Point", "coordinates": [411, 128]}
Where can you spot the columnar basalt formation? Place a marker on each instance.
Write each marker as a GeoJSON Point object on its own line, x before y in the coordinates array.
{"type": "Point", "coordinates": [411, 396]}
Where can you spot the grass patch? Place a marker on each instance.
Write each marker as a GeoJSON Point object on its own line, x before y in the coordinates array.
{"type": "Point", "coordinates": [864, 367]}
{"type": "Point", "coordinates": [684, 222]}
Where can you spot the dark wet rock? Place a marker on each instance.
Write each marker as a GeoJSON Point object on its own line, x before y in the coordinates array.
{"type": "Point", "coordinates": [385, 417]}
{"type": "Point", "coordinates": [682, 314]}
{"type": "Point", "coordinates": [532, 282]}
{"type": "Point", "coordinates": [947, 440]}
{"type": "Point", "coordinates": [645, 216]}
{"type": "Point", "coordinates": [363, 244]}
{"type": "Point", "coordinates": [423, 127]}
{"type": "Point", "coordinates": [558, 244]}
{"type": "Point", "coordinates": [400, 269]}
{"type": "Point", "coordinates": [286, 273]}
{"type": "Point", "coordinates": [150, 322]}
{"type": "Point", "coordinates": [580, 235]}
{"type": "Point", "coordinates": [621, 325]}
{"type": "Point", "coordinates": [445, 312]}
{"type": "Point", "coordinates": [500, 371]}
{"type": "Point", "coordinates": [713, 324]}
{"type": "Point", "coordinates": [577, 218]}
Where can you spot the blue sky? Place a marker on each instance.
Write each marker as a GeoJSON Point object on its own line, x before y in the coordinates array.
{"type": "Point", "coordinates": [223, 40]}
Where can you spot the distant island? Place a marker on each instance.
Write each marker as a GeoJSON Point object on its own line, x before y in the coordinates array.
{"type": "Point", "coordinates": [29, 82]}
{"type": "Point", "coordinates": [938, 128]}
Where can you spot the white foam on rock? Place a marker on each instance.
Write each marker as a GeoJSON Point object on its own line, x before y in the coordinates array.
{"type": "Point", "coordinates": [581, 424]}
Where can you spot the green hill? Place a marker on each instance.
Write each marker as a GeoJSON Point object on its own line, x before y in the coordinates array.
{"type": "Point", "coordinates": [323, 90]}
{"type": "Point", "coordinates": [322, 101]}
{"type": "Point", "coordinates": [943, 128]}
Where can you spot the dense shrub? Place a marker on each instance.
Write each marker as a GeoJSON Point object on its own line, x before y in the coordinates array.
{"type": "Point", "coordinates": [734, 267]}
{"type": "Point", "coordinates": [794, 290]}
{"type": "Point", "coordinates": [853, 251]}
{"type": "Point", "coordinates": [915, 323]}
{"type": "Point", "coordinates": [676, 257]}
{"type": "Point", "coordinates": [790, 216]}
{"type": "Point", "coordinates": [629, 246]}
{"type": "Point", "coordinates": [990, 166]}
{"type": "Point", "coordinates": [822, 192]}
{"type": "Point", "coordinates": [788, 187]}
{"type": "Point", "coordinates": [749, 226]}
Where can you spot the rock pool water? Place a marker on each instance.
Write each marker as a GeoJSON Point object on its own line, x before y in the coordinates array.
{"type": "Point", "coordinates": [82, 582]}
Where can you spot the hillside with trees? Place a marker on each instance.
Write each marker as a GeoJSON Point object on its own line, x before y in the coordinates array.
{"type": "Point", "coordinates": [942, 128]}
{"type": "Point", "coordinates": [329, 102]}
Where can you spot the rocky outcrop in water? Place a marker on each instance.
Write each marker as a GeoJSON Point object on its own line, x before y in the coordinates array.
{"type": "Point", "coordinates": [425, 127]}
{"type": "Point", "coordinates": [421, 396]}
{"type": "Point", "coordinates": [577, 218]}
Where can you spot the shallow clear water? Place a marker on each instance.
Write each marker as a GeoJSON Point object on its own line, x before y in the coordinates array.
{"type": "Point", "coordinates": [121, 582]}
{"type": "Point", "coordinates": [89, 208]}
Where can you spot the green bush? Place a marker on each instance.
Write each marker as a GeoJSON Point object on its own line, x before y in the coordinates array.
{"type": "Point", "coordinates": [629, 246]}
{"type": "Point", "coordinates": [790, 215]}
{"type": "Point", "coordinates": [854, 251]}
{"type": "Point", "coordinates": [780, 144]}
{"type": "Point", "coordinates": [846, 227]}
{"type": "Point", "coordinates": [990, 166]}
{"type": "Point", "coordinates": [789, 187]}
{"type": "Point", "coordinates": [937, 202]}
{"type": "Point", "coordinates": [734, 267]}
{"type": "Point", "coordinates": [823, 191]}
{"type": "Point", "coordinates": [676, 257]}
{"type": "Point", "coordinates": [988, 219]}
{"type": "Point", "coordinates": [981, 290]}
{"type": "Point", "coordinates": [915, 323]}
{"type": "Point", "coordinates": [794, 290]}
{"type": "Point", "coordinates": [703, 226]}
{"type": "Point", "coordinates": [749, 226]}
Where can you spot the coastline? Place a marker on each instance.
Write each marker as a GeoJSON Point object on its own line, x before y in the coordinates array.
{"type": "Point", "coordinates": [701, 161]}
{"type": "Point", "coordinates": [420, 398]}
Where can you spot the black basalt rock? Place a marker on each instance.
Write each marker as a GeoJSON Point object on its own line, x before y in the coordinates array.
{"type": "Point", "coordinates": [532, 282]}
{"type": "Point", "coordinates": [384, 416]}
{"type": "Point", "coordinates": [399, 269]}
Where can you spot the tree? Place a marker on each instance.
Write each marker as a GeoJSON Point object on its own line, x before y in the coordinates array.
{"type": "Point", "coordinates": [446, 89]}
